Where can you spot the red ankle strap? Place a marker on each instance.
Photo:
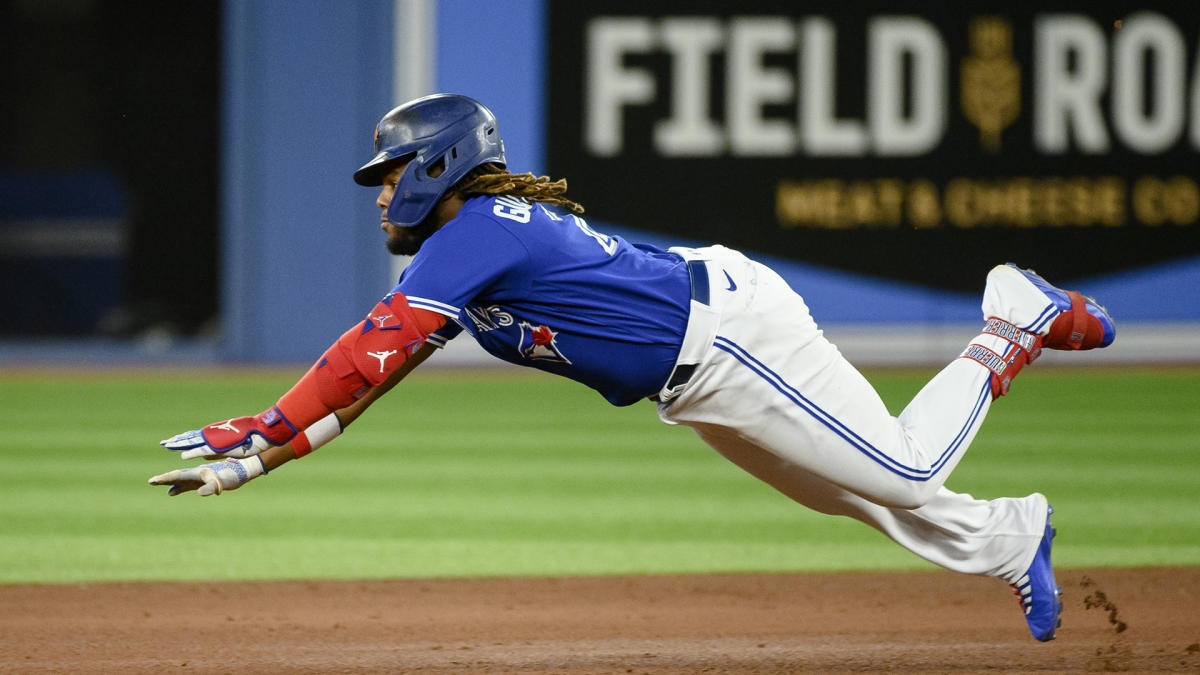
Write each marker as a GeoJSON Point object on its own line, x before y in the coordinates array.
{"type": "Point", "coordinates": [1079, 315]}
{"type": "Point", "coordinates": [1026, 348]}
{"type": "Point", "coordinates": [1028, 342]}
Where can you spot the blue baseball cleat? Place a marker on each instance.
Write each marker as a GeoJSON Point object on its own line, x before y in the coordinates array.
{"type": "Point", "coordinates": [1080, 321]}
{"type": "Point", "coordinates": [1040, 596]}
{"type": "Point", "coordinates": [1064, 319]}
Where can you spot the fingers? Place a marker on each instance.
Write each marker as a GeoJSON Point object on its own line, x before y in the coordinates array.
{"type": "Point", "coordinates": [201, 479]}
{"type": "Point", "coordinates": [178, 487]}
{"type": "Point", "coordinates": [184, 441]}
{"type": "Point", "coordinates": [168, 478]}
{"type": "Point", "coordinates": [212, 484]}
{"type": "Point", "coordinates": [190, 445]}
{"type": "Point", "coordinates": [202, 452]}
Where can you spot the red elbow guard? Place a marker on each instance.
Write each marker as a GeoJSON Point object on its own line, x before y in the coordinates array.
{"type": "Point", "coordinates": [362, 357]}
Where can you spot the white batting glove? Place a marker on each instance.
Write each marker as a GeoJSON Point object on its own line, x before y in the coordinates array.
{"type": "Point", "coordinates": [211, 479]}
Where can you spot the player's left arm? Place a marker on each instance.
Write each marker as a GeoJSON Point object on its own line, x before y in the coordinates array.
{"type": "Point", "coordinates": [216, 477]}
{"type": "Point", "coordinates": [355, 371]}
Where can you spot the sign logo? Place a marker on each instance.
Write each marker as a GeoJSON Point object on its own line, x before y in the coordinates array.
{"type": "Point", "coordinates": [991, 81]}
{"type": "Point", "coordinates": [866, 136]}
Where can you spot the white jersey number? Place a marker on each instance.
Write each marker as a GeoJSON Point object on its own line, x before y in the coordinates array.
{"type": "Point", "coordinates": [606, 242]}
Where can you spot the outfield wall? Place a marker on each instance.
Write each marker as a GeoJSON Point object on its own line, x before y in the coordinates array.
{"type": "Point", "coordinates": [304, 83]}
{"type": "Point", "coordinates": [502, 59]}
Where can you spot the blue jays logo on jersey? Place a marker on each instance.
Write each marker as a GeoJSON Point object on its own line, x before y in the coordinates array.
{"type": "Point", "coordinates": [538, 343]}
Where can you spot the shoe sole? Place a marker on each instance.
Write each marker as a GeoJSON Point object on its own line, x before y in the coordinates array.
{"type": "Point", "coordinates": [1057, 599]}
{"type": "Point", "coordinates": [1058, 606]}
{"type": "Point", "coordinates": [1060, 303]}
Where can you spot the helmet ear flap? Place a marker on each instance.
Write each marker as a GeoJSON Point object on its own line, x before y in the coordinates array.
{"type": "Point", "coordinates": [437, 167]}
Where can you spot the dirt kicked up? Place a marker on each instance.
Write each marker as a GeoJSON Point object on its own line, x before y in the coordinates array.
{"type": "Point", "coordinates": [1114, 620]}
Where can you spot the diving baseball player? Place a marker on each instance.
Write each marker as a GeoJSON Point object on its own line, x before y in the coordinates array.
{"type": "Point", "coordinates": [717, 340]}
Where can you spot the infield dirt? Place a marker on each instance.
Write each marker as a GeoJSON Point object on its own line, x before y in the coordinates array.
{"type": "Point", "coordinates": [1114, 620]}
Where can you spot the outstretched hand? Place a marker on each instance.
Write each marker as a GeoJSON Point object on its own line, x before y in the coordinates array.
{"type": "Point", "coordinates": [211, 479]}
{"type": "Point", "coordinates": [237, 437]}
{"type": "Point", "coordinates": [193, 444]}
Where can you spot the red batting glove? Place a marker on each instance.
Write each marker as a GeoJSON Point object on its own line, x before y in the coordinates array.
{"type": "Point", "coordinates": [237, 437]}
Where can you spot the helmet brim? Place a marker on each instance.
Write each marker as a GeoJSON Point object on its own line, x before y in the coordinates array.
{"type": "Point", "coordinates": [371, 173]}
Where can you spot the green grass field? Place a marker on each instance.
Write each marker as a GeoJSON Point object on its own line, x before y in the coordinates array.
{"type": "Point", "coordinates": [457, 474]}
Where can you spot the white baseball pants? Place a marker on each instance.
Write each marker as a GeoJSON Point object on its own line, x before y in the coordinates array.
{"type": "Point", "coordinates": [772, 395]}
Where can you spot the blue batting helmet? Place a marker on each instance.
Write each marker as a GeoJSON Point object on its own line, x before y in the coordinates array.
{"type": "Point", "coordinates": [458, 131]}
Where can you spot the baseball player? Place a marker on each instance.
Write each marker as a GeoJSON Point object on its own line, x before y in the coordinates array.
{"type": "Point", "coordinates": [717, 340]}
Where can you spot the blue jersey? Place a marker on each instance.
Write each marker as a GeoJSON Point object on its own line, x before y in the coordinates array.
{"type": "Point", "coordinates": [539, 289]}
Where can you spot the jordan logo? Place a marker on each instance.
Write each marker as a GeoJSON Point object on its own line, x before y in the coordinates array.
{"type": "Point", "coordinates": [227, 425]}
{"type": "Point", "coordinates": [382, 356]}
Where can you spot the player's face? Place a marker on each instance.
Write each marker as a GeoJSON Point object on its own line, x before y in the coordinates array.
{"type": "Point", "coordinates": [401, 240]}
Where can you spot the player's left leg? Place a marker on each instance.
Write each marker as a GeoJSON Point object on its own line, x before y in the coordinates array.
{"type": "Point", "coordinates": [1007, 538]}
{"type": "Point", "coordinates": [956, 531]}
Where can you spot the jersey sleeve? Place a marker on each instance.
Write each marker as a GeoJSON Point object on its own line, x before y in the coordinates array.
{"type": "Point", "coordinates": [469, 255]}
{"type": "Point", "coordinates": [446, 333]}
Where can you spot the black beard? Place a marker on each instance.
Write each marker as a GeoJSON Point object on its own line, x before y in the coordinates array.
{"type": "Point", "coordinates": [408, 240]}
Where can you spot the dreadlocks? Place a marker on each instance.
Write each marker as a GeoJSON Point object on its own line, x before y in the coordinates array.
{"type": "Point", "coordinates": [491, 179]}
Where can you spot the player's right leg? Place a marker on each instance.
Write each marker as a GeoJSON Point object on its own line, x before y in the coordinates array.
{"type": "Point", "coordinates": [774, 379]}
{"type": "Point", "coordinates": [1025, 313]}
{"type": "Point", "coordinates": [1063, 319]}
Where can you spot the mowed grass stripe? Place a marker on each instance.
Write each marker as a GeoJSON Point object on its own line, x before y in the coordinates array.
{"type": "Point", "coordinates": [459, 474]}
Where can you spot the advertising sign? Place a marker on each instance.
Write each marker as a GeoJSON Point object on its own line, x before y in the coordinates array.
{"type": "Point", "coordinates": [918, 141]}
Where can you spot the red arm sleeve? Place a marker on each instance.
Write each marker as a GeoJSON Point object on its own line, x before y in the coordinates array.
{"type": "Point", "coordinates": [362, 357]}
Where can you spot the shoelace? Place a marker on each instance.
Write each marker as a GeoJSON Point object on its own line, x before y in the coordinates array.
{"type": "Point", "coordinates": [1024, 599]}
